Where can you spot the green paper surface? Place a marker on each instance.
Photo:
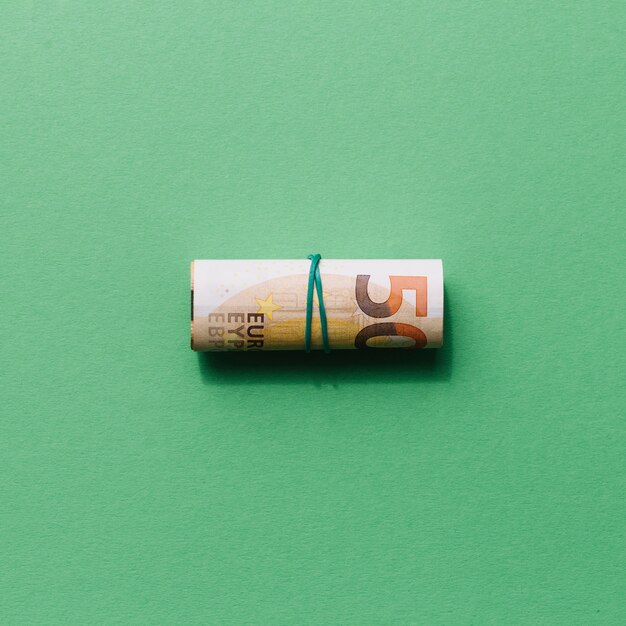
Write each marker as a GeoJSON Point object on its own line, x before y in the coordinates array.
{"type": "Point", "coordinates": [145, 484]}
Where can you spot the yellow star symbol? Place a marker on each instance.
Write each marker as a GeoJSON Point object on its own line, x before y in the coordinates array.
{"type": "Point", "coordinates": [267, 306]}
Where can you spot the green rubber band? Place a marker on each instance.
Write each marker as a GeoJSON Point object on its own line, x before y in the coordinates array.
{"type": "Point", "coordinates": [315, 280]}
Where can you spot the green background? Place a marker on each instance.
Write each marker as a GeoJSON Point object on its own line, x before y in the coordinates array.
{"type": "Point", "coordinates": [480, 484]}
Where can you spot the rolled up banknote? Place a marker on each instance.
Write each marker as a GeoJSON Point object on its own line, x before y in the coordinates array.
{"type": "Point", "coordinates": [261, 304]}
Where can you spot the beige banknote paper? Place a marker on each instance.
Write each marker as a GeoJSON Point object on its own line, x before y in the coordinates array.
{"type": "Point", "coordinates": [241, 305]}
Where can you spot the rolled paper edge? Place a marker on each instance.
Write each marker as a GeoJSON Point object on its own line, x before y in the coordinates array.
{"type": "Point", "coordinates": [443, 307]}
{"type": "Point", "coordinates": [191, 323]}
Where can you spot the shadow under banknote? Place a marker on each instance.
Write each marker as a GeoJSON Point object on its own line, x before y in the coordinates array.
{"type": "Point", "coordinates": [375, 366]}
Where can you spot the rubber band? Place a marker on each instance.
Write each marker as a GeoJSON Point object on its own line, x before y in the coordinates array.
{"type": "Point", "coordinates": [315, 280]}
